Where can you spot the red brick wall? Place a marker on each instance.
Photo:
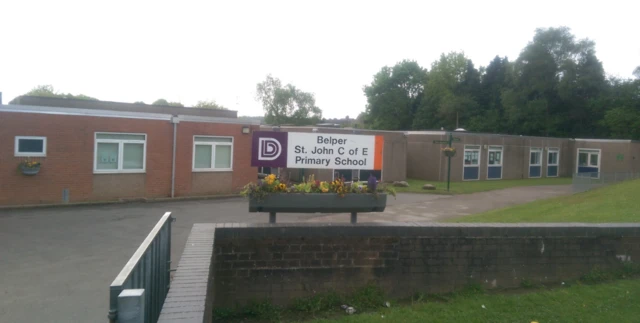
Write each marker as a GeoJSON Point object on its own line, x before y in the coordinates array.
{"type": "Point", "coordinates": [242, 173]}
{"type": "Point", "coordinates": [69, 160]}
{"type": "Point", "coordinates": [70, 157]}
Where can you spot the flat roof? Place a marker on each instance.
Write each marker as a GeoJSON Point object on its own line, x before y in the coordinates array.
{"type": "Point", "coordinates": [15, 108]}
{"type": "Point", "coordinates": [120, 106]}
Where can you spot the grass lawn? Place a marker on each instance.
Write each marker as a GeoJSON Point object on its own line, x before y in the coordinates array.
{"type": "Point", "coordinates": [610, 302]}
{"type": "Point", "coordinates": [415, 185]}
{"type": "Point", "coordinates": [614, 203]}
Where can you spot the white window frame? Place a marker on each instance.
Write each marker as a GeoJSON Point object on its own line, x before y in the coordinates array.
{"type": "Point", "coordinates": [531, 150]}
{"type": "Point", "coordinates": [589, 151]}
{"type": "Point", "coordinates": [493, 148]}
{"type": "Point", "coordinates": [557, 163]}
{"type": "Point", "coordinates": [213, 153]}
{"type": "Point", "coordinates": [120, 143]}
{"type": "Point", "coordinates": [479, 150]}
{"type": "Point", "coordinates": [17, 153]}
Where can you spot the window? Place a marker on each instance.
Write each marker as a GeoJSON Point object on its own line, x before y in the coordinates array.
{"type": "Point", "coordinates": [471, 155]}
{"type": "Point", "coordinates": [535, 157]}
{"type": "Point", "coordinates": [588, 158]}
{"type": "Point", "coordinates": [30, 146]}
{"type": "Point", "coordinates": [553, 157]}
{"type": "Point", "coordinates": [212, 153]}
{"type": "Point", "coordinates": [495, 156]}
{"type": "Point", "coordinates": [120, 153]}
{"type": "Point", "coordinates": [364, 174]}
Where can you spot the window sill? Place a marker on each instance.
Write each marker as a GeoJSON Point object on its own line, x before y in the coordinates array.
{"type": "Point", "coordinates": [30, 155]}
{"type": "Point", "coordinates": [102, 172]}
{"type": "Point", "coordinates": [211, 170]}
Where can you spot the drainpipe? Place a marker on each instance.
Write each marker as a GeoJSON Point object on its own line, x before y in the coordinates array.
{"type": "Point", "coordinates": [174, 120]}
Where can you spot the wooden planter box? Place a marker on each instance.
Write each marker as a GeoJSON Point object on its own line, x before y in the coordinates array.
{"type": "Point", "coordinates": [319, 203]}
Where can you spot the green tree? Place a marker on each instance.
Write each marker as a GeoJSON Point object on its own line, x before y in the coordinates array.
{"type": "Point", "coordinates": [394, 95]}
{"type": "Point", "coordinates": [167, 103]}
{"type": "Point", "coordinates": [49, 91]}
{"type": "Point", "coordinates": [622, 119]}
{"type": "Point", "coordinates": [450, 97]}
{"type": "Point", "coordinates": [490, 117]}
{"type": "Point", "coordinates": [287, 104]}
{"type": "Point", "coordinates": [557, 81]}
{"type": "Point", "coordinates": [211, 104]}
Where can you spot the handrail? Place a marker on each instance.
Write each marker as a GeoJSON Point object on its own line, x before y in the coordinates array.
{"type": "Point", "coordinates": [149, 269]}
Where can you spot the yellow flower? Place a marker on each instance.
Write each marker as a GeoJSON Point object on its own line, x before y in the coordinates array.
{"type": "Point", "coordinates": [324, 190]}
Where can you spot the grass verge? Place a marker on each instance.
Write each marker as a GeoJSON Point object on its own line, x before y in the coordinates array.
{"type": "Point", "coordinates": [415, 185]}
{"type": "Point", "coordinates": [614, 203]}
{"type": "Point", "coordinates": [609, 302]}
{"type": "Point", "coordinates": [599, 296]}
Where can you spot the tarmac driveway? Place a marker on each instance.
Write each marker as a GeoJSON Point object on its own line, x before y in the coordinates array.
{"type": "Point", "coordinates": [56, 264]}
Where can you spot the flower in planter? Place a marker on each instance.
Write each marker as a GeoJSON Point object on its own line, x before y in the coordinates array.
{"type": "Point", "coordinates": [29, 164]}
{"type": "Point", "coordinates": [372, 183]}
{"type": "Point", "coordinates": [449, 149]}
{"type": "Point", "coordinates": [271, 185]}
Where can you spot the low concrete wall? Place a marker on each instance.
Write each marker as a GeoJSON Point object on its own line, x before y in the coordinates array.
{"type": "Point", "coordinates": [285, 261]}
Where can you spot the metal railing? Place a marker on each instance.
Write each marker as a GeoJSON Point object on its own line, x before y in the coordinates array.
{"type": "Point", "coordinates": [148, 271]}
{"type": "Point", "coordinates": [585, 181]}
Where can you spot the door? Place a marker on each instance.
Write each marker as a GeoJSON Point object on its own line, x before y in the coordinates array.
{"type": "Point", "coordinates": [494, 162]}
{"type": "Point", "coordinates": [553, 160]}
{"type": "Point", "coordinates": [535, 162]}
{"type": "Point", "coordinates": [471, 166]}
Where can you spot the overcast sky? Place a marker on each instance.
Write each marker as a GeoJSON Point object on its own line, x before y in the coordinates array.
{"type": "Point", "coordinates": [188, 51]}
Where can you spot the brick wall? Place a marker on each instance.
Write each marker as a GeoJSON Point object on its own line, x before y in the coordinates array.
{"type": "Point", "coordinates": [70, 158]}
{"type": "Point", "coordinates": [189, 183]}
{"type": "Point", "coordinates": [70, 153]}
{"type": "Point", "coordinates": [281, 262]}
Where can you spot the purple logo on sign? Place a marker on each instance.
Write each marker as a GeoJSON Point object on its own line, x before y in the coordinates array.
{"type": "Point", "coordinates": [269, 149]}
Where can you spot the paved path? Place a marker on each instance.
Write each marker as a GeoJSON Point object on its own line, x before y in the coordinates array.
{"type": "Point", "coordinates": [56, 264]}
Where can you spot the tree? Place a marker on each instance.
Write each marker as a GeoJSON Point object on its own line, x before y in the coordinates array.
{"type": "Point", "coordinates": [49, 91]}
{"type": "Point", "coordinates": [636, 72]}
{"type": "Point", "coordinates": [450, 95]}
{"type": "Point", "coordinates": [209, 105]}
{"type": "Point", "coordinates": [167, 103]}
{"type": "Point", "coordinates": [286, 104]}
{"type": "Point", "coordinates": [394, 95]}
{"type": "Point", "coordinates": [622, 119]}
{"type": "Point", "coordinates": [490, 117]}
{"type": "Point", "coordinates": [557, 79]}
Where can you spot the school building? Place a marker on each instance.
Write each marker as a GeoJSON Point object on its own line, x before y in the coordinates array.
{"type": "Point", "coordinates": [495, 157]}
{"type": "Point", "coordinates": [101, 151]}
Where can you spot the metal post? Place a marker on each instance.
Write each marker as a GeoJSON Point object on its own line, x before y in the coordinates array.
{"type": "Point", "coordinates": [131, 307]}
{"type": "Point", "coordinates": [449, 164]}
{"type": "Point", "coordinates": [272, 217]}
{"type": "Point", "coordinates": [174, 120]}
{"type": "Point", "coordinates": [354, 217]}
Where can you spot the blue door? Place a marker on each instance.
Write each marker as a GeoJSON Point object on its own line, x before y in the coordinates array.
{"type": "Point", "coordinates": [535, 162]}
{"type": "Point", "coordinates": [553, 160]}
{"type": "Point", "coordinates": [494, 162]}
{"type": "Point", "coordinates": [471, 166]}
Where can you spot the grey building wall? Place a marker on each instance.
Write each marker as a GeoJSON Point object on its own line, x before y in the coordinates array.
{"type": "Point", "coordinates": [426, 161]}
{"type": "Point", "coordinates": [610, 151]}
